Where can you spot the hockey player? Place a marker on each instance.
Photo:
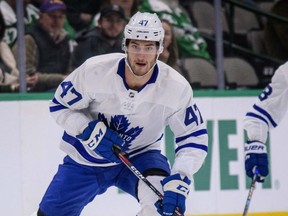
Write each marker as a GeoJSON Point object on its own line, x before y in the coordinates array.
{"type": "Point", "coordinates": [266, 113]}
{"type": "Point", "coordinates": [126, 100]}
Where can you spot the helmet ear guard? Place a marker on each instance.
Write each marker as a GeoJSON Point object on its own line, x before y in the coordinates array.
{"type": "Point", "coordinates": [144, 26]}
{"type": "Point", "coordinates": [124, 46]}
{"type": "Point", "coordinates": [161, 48]}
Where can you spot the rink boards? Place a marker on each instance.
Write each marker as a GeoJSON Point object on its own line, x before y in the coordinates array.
{"type": "Point", "coordinates": [30, 156]}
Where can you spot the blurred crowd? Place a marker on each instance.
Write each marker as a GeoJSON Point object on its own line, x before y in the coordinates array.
{"type": "Point", "coordinates": [61, 35]}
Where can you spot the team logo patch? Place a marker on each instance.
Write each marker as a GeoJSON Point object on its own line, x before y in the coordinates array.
{"type": "Point", "coordinates": [120, 123]}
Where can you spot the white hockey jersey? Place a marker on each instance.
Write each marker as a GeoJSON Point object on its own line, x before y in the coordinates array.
{"type": "Point", "coordinates": [97, 90]}
{"type": "Point", "coordinates": [270, 107]}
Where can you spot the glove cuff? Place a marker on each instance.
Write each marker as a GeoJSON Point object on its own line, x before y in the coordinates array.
{"type": "Point", "coordinates": [96, 135]}
{"type": "Point", "coordinates": [255, 147]}
{"type": "Point", "coordinates": [177, 186]}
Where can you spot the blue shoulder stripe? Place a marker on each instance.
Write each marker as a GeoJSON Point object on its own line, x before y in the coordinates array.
{"type": "Point", "coordinates": [265, 113]}
{"type": "Point", "coordinates": [194, 134]}
{"type": "Point", "coordinates": [192, 145]}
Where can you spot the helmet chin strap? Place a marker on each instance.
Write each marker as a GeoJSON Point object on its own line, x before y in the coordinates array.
{"type": "Point", "coordinates": [136, 75]}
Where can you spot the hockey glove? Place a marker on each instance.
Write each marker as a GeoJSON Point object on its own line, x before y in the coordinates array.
{"type": "Point", "coordinates": [175, 192]}
{"type": "Point", "coordinates": [256, 157]}
{"type": "Point", "coordinates": [101, 139]}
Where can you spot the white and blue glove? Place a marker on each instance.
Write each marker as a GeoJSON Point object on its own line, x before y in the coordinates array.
{"type": "Point", "coordinates": [101, 139]}
{"type": "Point", "coordinates": [175, 193]}
{"type": "Point", "coordinates": [256, 157]}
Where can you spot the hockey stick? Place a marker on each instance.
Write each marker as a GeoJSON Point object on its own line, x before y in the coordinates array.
{"type": "Point", "coordinates": [251, 190]}
{"type": "Point", "coordinates": [139, 175]}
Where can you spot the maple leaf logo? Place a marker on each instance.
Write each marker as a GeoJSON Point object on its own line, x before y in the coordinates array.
{"type": "Point", "coordinates": [120, 123]}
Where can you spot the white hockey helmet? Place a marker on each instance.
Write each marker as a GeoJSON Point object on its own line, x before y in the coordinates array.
{"type": "Point", "coordinates": [144, 26]}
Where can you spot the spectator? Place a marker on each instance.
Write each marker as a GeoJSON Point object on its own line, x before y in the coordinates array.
{"type": "Point", "coordinates": [8, 72]}
{"type": "Point", "coordinates": [130, 6]}
{"type": "Point", "coordinates": [104, 38]}
{"type": "Point", "coordinates": [190, 42]}
{"type": "Point", "coordinates": [8, 8]}
{"type": "Point", "coordinates": [80, 14]}
{"type": "Point", "coordinates": [170, 51]}
{"type": "Point", "coordinates": [47, 48]}
{"type": "Point", "coordinates": [276, 32]}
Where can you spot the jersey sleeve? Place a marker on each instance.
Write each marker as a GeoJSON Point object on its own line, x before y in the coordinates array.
{"type": "Point", "coordinates": [269, 108]}
{"type": "Point", "coordinates": [70, 102]}
{"type": "Point", "coordinates": [189, 128]}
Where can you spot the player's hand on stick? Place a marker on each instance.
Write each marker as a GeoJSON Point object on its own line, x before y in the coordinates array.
{"type": "Point", "coordinates": [256, 156]}
{"type": "Point", "coordinates": [101, 139]}
{"type": "Point", "coordinates": [175, 193]}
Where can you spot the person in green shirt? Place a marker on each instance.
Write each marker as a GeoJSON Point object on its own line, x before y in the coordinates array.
{"type": "Point", "coordinates": [190, 42]}
{"type": "Point", "coordinates": [8, 9]}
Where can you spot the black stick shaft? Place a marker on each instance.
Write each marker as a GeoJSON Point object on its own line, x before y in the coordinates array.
{"type": "Point", "coordinates": [251, 190]}
{"type": "Point", "coordinates": [139, 175]}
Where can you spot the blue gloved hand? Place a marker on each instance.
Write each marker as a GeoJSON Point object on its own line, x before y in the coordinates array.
{"type": "Point", "coordinates": [101, 139]}
{"type": "Point", "coordinates": [256, 157]}
{"type": "Point", "coordinates": [175, 193]}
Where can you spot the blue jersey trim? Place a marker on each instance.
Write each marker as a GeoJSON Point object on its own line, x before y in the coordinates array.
{"type": "Point", "coordinates": [121, 73]}
{"type": "Point", "coordinates": [265, 113]}
{"type": "Point", "coordinates": [80, 148]}
{"type": "Point", "coordinates": [194, 134]}
{"type": "Point", "coordinates": [250, 114]}
{"type": "Point", "coordinates": [57, 107]}
{"type": "Point", "coordinates": [192, 145]}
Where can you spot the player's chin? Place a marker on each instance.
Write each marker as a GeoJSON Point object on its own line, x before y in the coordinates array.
{"type": "Point", "coordinates": [140, 71]}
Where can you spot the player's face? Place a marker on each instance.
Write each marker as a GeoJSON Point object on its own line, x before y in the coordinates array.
{"type": "Point", "coordinates": [141, 55]}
